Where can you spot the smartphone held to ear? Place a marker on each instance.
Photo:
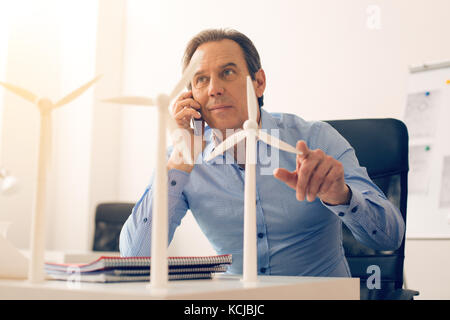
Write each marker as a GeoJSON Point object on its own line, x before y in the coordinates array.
{"type": "Point", "coordinates": [197, 125]}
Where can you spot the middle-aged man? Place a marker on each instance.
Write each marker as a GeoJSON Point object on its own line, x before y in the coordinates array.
{"type": "Point", "coordinates": [300, 207]}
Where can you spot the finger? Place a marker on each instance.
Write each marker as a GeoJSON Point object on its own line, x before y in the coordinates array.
{"type": "Point", "coordinates": [186, 103]}
{"type": "Point", "coordinates": [305, 173]}
{"type": "Point", "coordinates": [318, 178]}
{"type": "Point", "coordinates": [191, 113]}
{"type": "Point", "coordinates": [301, 146]}
{"type": "Point", "coordinates": [335, 174]}
{"type": "Point", "coordinates": [185, 95]}
{"type": "Point", "coordinates": [184, 117]}
{"type": "Point", "coordinates": [288, 177]}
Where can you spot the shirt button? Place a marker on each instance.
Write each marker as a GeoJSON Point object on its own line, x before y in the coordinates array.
{"type": "Point", "coordinates": [374, 232]}
{"type": "Point", "coordinates": [173, 182]}
{"type": "Point", "coordinates": [355, 209]}
{"type": "Point", "coordinates": [341, 214]}
{"type": "Point", "coordinates": [260, 235]}
{"type": "Point", "coordinates": [145, 220]}
{"type": "Point", "coordinates": [263, 270]}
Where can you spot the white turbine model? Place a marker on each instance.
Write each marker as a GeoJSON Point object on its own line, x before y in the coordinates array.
{"type": "Point", "coordinates": [159, 264]}
{"type": "Point", "coordinates": [45, 107]}
{"type": "Point", "coordinates": [251, 133]}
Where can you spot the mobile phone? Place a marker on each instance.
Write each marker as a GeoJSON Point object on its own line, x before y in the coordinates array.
{"type": "Point", "coordinates": [197, 125]}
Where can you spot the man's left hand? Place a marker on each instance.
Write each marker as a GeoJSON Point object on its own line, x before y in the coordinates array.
{"type": "Point", "coordinates": [317, 175]}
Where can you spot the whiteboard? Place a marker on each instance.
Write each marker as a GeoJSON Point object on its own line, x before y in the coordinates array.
{"type": "Point", "coordinates": [427, 116]}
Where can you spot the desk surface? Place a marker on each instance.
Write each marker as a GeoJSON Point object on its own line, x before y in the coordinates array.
{"type": "Point", "coordinates": [224, 287]}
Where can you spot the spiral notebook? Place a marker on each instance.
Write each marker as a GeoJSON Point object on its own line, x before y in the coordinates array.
{"type": "Point", "coordinates": [118, 269]}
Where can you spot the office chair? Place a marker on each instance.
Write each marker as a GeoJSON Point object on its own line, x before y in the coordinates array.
{"type": "Point", "coordinates": [109, 219]}
{"type": "Point", "coordinates": [381, 146]}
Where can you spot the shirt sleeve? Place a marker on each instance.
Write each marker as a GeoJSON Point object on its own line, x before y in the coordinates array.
{"type": "Point", "coordinates": [135, 236]}
{"type": "Point", "coordinates": [370, 216]}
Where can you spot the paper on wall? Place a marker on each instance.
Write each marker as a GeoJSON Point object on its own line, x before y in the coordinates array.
{"type": "Point", "coordinates": [445, 184]}
{"type": "Point", "coordinates": [419, 169]}
{"type": "Point", "coordinates": [422, 113]}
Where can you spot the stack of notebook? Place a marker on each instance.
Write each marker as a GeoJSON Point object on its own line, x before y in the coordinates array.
{"type": "Point", "coordinates": [119, 269]}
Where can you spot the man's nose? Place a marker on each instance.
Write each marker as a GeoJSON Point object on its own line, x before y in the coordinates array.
{"type": "Point", "coordinates": [215, 87]}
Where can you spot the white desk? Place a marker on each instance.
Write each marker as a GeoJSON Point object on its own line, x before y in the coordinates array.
{"type": "Point", "coordinates": [222, 287]}
{"type": "Point", "coordinates": [73, 256]}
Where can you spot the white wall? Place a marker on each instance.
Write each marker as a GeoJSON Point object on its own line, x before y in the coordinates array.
{"type": "Point", "coordinates": [4, 35]}
{"type": "Point", "coordinates": [20, 118]}
{"type": "Point", "coordinates": [51, 52]}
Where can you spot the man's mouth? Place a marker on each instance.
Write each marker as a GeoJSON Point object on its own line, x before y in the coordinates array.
{"type": "Point", "coordinates": [219, 107]}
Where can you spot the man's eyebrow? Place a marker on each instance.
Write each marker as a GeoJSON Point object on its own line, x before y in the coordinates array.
{"type": "Point", "coordinates": [228, 64]}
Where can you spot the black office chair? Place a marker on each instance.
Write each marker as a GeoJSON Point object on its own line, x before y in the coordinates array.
{"type": "Point", "coordinates": [381, 146]}
{"type": "Point", "coordinates": [109, 219]}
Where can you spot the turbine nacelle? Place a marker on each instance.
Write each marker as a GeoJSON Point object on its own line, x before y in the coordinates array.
{"type": "Point", "coordinates": [45, 105]}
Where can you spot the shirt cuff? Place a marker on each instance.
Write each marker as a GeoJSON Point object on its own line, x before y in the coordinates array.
{"type": "Point", "coordinates": [349, 211]}
{"type": "Point", "coordinates": [177, 180]}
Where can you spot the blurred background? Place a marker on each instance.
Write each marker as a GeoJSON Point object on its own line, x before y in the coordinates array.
{"type": "Point", "coordinates": [323, 59]}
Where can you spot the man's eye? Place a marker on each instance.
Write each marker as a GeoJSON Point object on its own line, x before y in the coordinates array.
{"type": "Point", "coordinates": [201, 81]}
{"type": "Point", "coordinates": [229, 73]}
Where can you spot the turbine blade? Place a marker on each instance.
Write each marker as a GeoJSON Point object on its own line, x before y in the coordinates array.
{"type": "Point", "coordinates": [271, 140]}
{"type": "Point", "coordinates": [9, 184]}
{"type": "Point", "coordinates": [140, 101]}
{"type": "Point", "coordinates": [187, 75]}
{"type": "Point", "coordinates": [252, 101]}
{"type": "Point", "coordinates": [75, 94]}
{"type": "Point", "coordinates": [27, 95]}
{"type": "Point", "coordinates": [228, 143]}
{"type": "Point", "coordinates": [171, 123]}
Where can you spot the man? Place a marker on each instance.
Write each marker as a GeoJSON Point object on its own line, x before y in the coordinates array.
{"type": "Point", "coordinates": [300, 208]}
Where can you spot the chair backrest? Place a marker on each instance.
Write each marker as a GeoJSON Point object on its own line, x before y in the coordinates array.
{"type": "Point", "coordinates": [109, 219]}
{"type": "Point", "coordinates": [381, 146]}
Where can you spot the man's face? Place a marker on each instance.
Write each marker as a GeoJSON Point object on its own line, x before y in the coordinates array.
{"type": "Point", "coordinates": [219, 84]}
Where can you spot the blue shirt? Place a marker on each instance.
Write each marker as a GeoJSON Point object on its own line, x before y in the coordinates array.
{"type": "Point", "coordinates": [298, 238]}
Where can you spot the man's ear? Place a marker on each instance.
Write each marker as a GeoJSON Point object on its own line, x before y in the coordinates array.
{"type": "Point", "coordinates": [260, 78]}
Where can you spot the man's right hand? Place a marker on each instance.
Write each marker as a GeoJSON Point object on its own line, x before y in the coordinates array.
{"type": "Point", "coordinates": [184, 109]}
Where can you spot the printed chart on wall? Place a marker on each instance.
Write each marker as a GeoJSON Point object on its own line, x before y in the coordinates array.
{"type": "Point", "coordinates": [427, 117]}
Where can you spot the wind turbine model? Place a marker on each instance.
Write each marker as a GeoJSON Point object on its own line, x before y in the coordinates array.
{"type": "Point", "coordinates": [45, 107]}
{"type": "Point", "coordinates": [251, 133]}
{"type": "Point", "coordinates": [159, 265]}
